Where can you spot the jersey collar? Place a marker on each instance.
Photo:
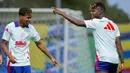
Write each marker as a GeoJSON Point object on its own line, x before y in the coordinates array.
{"type": "Point", "coordinates": [17, 25]}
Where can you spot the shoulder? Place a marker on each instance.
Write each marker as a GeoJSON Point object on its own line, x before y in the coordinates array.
{"type": "Point", "coordinates": [91, 21]}
{"type": "Point", "coordinates": [108, 20]}
{"type": "Point", "coordinates": [11, 24]}
{"type": "Point", "coordinates": [31, 27]}
{"type": "Point", "coordinates": [113, 23]}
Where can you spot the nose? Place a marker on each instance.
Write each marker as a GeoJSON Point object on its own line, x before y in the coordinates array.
{"type": "Point", "coordinates": [91, 12]}
{"type": "Point", "coordinates": [29, 19]}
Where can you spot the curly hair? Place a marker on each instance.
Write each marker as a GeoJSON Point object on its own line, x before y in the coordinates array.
{"type": "Point", "coordinates": [97, 4]}
{"type": "Point", "coordinates": [24, 10]}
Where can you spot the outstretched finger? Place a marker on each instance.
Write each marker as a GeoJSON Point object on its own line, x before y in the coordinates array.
{"type": "Point", "coordinates": [59, 64]}
{"type": "Point", "coordinates": [53, 7]}
{"type": "Point", "coordinates": [13, 61]}
{"type": "Point", "coordinates": [54, 12]}
{"type": "Point", "coordinates": [0, 62]}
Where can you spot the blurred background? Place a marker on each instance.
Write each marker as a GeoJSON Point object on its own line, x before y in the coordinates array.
{"type": "Point", "coordinates": [72, 46]}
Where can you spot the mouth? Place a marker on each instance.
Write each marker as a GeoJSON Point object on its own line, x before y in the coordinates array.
{"type": "Point", "coordinates": [28, 22]}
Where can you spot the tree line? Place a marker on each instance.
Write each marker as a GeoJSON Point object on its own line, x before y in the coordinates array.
{"type": "Point", "coordinates": [112, 12]}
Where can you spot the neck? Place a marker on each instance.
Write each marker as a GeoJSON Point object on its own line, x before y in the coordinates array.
{"type": "Point", "coordinates": [100, 16]}
{"type": "Point", "coordinates": [21, 24]}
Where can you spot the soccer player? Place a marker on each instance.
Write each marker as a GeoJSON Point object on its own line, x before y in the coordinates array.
{"type": "Point", "coordinates": [107, 38]}
{"type": "Point", "coordinates": [19, 34]}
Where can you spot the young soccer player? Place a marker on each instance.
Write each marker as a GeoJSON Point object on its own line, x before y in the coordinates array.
{"type": "Point", "coordinates": [19, 34]}
{"type": "Point", "coordinates": [107, 38]}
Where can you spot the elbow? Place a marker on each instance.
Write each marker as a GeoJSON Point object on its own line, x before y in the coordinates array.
{"type": "Point", "coordinates": [76, 24]}
{"type": "Point", "coordinates": [2, 45]}
{"type": "Point", "coordinates": [79, 23]}
{"type": "Point", "coordinates": [38, 44]}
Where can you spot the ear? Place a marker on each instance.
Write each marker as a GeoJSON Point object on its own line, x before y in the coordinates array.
{"type": "Point", "coordinates": [20, 17]}
{"type": "Point", "coordinates": [101, 11]}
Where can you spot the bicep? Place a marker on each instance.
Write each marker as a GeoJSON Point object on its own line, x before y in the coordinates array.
{"type": "Point", "coordinates": [38, 42]}
{"type": "Point", "coordinates": [118, 42]}
{"type": "Point", "coordinates": [117, 39]}
{"type": "Point", "coordinates": [81, 23]}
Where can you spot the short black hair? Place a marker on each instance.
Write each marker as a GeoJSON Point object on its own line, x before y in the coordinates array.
{"type": "Point", "coordinates": [24, 10]}
{"type": "Point", "coordinates": [97, 4]}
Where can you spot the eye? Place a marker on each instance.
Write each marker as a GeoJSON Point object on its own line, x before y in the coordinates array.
{"type": "Point", "coordinates": [28, 17]}
{"type": "Point", "coordinates": [92, 11]}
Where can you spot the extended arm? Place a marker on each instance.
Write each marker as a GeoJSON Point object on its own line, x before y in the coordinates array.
{"type": "Point", "coordinates": [69, 18]}
{"type": "Point", "coordinates": [44, 50]}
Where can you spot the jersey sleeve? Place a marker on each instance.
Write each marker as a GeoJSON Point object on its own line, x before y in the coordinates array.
{"type": "Point", "coordinates": [7, 33]}
{"type": "Point", "coordinates": [35, 36]}
{"type": "Point", "coordinates": [90, 24]}
{"type": "Point", "coordinates": [118, 33]}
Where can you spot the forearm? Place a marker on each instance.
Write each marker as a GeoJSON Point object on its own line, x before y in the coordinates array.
{"type": "Point", "coordinates": [0, 54]}
{"type": "Point", "coordinates": [0, 51]}
{"type": "Point", "coordinates": [121, 55]}
{"type": "Point", "coordinates": [120, 52]}
{"type": "Point", "coordinates": [44, 50]}
{"type": "Point", "coordinates": [73, 20]}
{"type": "Point", "coordinates": [4, 48]}
{"type": "Point", "coordinates": [119, 49]}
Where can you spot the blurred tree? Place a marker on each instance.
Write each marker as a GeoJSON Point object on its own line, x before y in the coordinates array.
{"type": "Point", "coordinates": [116, 14]}
{"type": "Point", "coordinates": [112, 12]}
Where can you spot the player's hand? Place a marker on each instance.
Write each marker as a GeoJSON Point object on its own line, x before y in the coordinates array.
{"type": "Point", "coordinates": [12, 59]}
{"type": "Point", "coordinates": [55, 62]}
{"type": "Point", "coordinates": [121, 67]}
{"type": "Point", "coordinates": [0, 59]}
{"type": "Point", "coordinates": [57, 11]}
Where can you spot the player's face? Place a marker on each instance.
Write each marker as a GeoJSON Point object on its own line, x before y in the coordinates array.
{"type": "Point", "coordinates": [95, 13]}
{"type": "Point", "coordinates": [26, 19]}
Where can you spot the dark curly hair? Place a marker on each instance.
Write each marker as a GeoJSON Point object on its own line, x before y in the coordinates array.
{"type": "Point", "coordinates": [24, 10]}
{"type": "Point", "coordinates": [97, 4]}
